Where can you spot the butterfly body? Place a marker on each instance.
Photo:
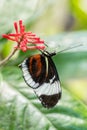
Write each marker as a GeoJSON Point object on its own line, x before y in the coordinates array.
{"type": "Point", "coordinates": [40, 74]}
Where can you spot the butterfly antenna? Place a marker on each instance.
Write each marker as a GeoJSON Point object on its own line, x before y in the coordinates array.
{"type": "Point", "coordinates": [71, 47]}
{"type": "Point", "coordinates": [45, 44]}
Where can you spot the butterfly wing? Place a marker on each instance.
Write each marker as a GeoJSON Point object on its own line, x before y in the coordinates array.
{"type": "Point", "coordinates": [49, 92]}
{"type": "Point", "coordinates": [40, 73]}
{"type": "Point", "coordinates": [33, 69]}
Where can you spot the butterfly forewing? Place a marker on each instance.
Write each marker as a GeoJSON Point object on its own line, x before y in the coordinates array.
{"type": "Point", "coordinates": [40, 73]}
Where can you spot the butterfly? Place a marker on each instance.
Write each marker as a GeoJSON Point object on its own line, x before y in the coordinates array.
{"type": "Point", "coordinates": [40, 73]}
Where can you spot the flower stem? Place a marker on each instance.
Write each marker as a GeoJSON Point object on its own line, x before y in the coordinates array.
{"type": "Point", "coordinates": [3, 62]}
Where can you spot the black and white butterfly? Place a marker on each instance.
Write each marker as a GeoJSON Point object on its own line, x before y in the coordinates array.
{"type": "Point", "coordinates": [40, 74]}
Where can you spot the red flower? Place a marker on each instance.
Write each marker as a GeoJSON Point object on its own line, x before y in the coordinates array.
{"type": "Point", "coordinates": [25, 40]}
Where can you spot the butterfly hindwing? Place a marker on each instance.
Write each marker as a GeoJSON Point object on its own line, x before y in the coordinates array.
{"type": "Point", "coordinates": [49, 92]}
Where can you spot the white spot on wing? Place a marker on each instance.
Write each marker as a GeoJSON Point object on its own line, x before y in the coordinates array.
{"type": "Point", "coordinates": [51, 80]}
{"type": "Point", "coordinates": [32, 84]}
{"type": "Point", "coordinates": [36, 85]}
{"type": "Point", "coordinates": [27, 77]}
{"type": "Point", "coordinates": [48, 89]}
{"type": "Point", "coordinates": [25, 74]}
{"type": "Point", "coordinates": [43, 88]}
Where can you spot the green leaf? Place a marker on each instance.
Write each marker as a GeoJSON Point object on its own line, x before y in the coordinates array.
{"type": "Point", "coordinates": [21, 110]}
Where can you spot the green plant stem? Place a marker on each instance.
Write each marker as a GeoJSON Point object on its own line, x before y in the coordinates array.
{"type": "Point", "coordinates": [3, 62]}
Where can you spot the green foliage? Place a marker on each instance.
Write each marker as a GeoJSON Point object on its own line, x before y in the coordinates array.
{"type": "Point", "coordinates": [21, 110]}
{"type": "Point", "coordinates": [19, 107]}
{"type": "Point", "coordinates": [79, 12]}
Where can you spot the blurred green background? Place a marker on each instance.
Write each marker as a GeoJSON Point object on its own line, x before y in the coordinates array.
{"type": "Point", "coordinates": [61, 24]}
